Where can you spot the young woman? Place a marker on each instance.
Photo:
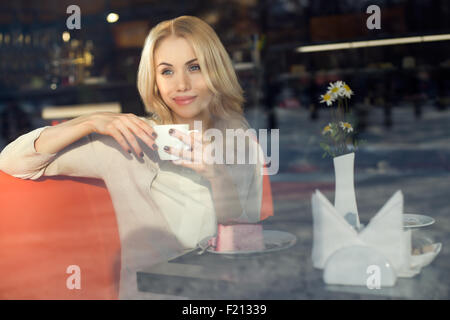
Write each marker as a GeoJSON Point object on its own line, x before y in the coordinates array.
{"type": "Point", "coordinates": [163, 208]}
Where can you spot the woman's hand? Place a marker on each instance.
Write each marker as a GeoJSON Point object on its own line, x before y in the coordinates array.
{"type": "Point", "coordinates": [198, 157]}
{"type": "Point", "coordinates": [124, 128]}
{"type": "Point", "coordinates": [224, 192]}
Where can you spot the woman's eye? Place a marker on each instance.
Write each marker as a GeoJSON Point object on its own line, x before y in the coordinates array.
{"type": "Point", "coordinates": [195, 67]}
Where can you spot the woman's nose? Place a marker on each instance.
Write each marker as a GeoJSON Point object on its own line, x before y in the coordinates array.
{"type": "Point", "coordinates": [183, 83]}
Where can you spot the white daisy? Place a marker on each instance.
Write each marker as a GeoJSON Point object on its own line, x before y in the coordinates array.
{"type": "Point", "coordinates": [327, 129]}
{"type": "Point", "coordinates": [327, 98]}
{"type": "Point", "coordinates": [346, 91]}
{"type": "Point", "coordinates": [334, 88]}
{"type": "Point", "coordinates": [346, 126]}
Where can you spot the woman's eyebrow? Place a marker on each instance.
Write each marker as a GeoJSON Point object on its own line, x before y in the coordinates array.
{"type": "Point", "coordinates": [168, 64]}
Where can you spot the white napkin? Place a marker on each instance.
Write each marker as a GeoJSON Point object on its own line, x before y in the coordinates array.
{"type": "Point", "coordinates": [330, 232]}
{"type": "Point", "coordinates": [384, 233]}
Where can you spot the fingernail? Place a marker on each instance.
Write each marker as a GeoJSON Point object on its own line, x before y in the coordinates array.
{"type": "Point", "coordinates": [171, 131]}
{"type": "Point", "coordinates": [166, 148]}
{"type": "Point", "coordinates": [154, 134]}
{"type": "Point", "coordinates": [155, 146]}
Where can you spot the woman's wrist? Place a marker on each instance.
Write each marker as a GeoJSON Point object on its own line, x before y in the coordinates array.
{"type": "Point", "coordinates": [86, 123]}
{"type": "Point", "coordinates": [217, 173]}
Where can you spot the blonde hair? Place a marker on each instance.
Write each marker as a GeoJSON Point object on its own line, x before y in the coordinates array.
{"type": "Point", "coordinates": [214, 61]}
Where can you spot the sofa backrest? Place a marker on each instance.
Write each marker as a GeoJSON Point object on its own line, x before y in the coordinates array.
{"type": "Point", "coordinates": [49, 225]}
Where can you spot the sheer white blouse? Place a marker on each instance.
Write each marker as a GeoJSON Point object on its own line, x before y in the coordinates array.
{"type": "Point", "coordinates": [162, 209]}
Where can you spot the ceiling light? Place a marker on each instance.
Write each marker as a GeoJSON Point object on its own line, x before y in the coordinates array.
{"type": "Point", "coordinates": [66, 36]}
{"type": "Point", "coordinates": [372, 43]}
{"type": "Point", "coordinates": [112, 17]}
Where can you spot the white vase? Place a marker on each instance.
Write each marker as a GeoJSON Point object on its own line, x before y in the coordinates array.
{"type": "Point", "coordinates": [344, 197]}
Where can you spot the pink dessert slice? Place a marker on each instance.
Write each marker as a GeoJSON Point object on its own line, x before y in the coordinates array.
{"type": "Point", "coordinates": [239, 237]}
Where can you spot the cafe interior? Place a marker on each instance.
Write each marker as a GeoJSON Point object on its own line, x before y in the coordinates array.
{"type": "Point", "coordinates": [63, 59]}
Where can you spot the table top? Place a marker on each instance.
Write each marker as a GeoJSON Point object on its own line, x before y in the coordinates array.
{"type": "Point", "coordinates": [286, 274]}
{"type": "Point", "coordinates": [289, 274]}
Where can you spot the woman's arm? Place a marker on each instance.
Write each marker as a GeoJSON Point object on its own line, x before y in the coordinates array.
{"type": "Point", "coordinates": [236, 188]}
{"type": "Point", "coordinates": [54, 139]}
{"type": "Point", "coordinates": [245, 183]}
{"type": "Point", "coordinates": [225, 196]}
{"type": "Point", "coordinates": [69, 148]}
{"type": "Point", "coordinates": [120, 126]}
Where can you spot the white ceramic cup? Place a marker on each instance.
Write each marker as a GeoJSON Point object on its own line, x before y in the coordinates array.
{"type": "Point", "coordinates": [165, 139]}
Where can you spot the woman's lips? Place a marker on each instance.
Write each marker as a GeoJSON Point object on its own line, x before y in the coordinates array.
{"type": "Point", "coordinates": [184, 100]}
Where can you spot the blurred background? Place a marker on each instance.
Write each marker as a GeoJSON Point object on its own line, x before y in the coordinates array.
{"type": "Point", "coordinates": [49, 73]}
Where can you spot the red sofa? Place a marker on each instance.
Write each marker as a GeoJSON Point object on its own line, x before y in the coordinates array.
{"type": "Point", "coordinates": [53, 223]}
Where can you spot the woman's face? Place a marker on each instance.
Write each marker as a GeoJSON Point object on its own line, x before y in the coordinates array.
{"type": "Point", "coordinates": [180, 81]}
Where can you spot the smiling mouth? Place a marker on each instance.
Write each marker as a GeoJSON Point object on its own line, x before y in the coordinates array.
{"type": "Point", "coordinates": [184, 101]}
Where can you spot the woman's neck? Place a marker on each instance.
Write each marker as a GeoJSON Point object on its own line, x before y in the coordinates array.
{"type": "Point", "coordinates": [205, 118]}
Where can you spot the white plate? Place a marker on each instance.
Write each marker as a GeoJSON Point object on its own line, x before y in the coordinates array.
{"type": "Point", "coordinates": [416, 220]}
{"type": "Point", "coordinates": [273, 241]}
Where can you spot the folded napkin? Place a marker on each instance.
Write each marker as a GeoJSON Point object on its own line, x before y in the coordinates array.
{"type": "Point", "coordinates": [384, 233]}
